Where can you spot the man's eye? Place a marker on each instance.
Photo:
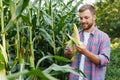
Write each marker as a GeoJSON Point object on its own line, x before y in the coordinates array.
{"type": "Point", "coordinates": [86, 17]}
{"type": "Point", "coordinates": [81, 18]}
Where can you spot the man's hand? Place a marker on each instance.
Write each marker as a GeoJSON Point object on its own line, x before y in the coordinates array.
{"type": "Point", "coordinates": [81, 48]}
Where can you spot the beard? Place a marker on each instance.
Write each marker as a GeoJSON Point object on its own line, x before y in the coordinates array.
{"type": "Point", "coordinates": [87, 26]}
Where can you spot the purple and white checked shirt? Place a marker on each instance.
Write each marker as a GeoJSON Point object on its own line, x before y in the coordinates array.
{"type": "Point", "coordinates": [98, 43]}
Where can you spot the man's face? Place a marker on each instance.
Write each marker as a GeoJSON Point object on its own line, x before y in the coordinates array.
{"type": "Point", "coordinates": [87, 19]}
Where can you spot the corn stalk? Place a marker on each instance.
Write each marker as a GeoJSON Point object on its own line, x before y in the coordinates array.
{"type": "Point", "coordinates": [20, 54]}
{"type": "Point", "coordinates": [16, 20]}
{"type": "Point", "coordinates": [52, 17]}
{"type": "Point", "coordinates": [38, 13]}
{"type": "Point", "coordinates": [3, 46]}
{"type": "Point", "coordinates": [31, 41]}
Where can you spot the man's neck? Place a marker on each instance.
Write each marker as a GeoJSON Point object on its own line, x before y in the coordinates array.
{"type": "Point", "coordinates": [91, 29]}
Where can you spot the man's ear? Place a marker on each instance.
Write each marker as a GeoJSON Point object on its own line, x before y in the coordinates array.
{"type": "Point", "coordinates": [94, 16]}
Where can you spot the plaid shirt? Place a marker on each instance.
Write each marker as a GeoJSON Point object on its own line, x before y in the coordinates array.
{"type": "Point", "coordinates": [98, 43]}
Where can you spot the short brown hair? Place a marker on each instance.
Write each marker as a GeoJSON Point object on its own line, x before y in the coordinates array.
{"type": "Point", "coordinates": [89, 7]}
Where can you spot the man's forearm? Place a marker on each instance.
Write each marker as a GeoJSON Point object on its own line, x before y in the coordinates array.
{"type": "Point", "coordinates": [93, 57]}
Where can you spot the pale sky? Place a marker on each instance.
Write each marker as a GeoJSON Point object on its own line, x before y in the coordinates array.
{"type": "Point", "coordinates": [85, 2]}
{"type": "Point", "coordinates": [89, 1]}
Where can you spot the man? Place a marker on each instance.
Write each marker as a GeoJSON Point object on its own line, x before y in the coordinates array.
{"type": "Point", "coordinates": [94, 55]}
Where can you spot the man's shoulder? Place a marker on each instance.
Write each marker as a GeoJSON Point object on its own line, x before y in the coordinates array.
{"type": "Point", "coordinates": [102, 33]}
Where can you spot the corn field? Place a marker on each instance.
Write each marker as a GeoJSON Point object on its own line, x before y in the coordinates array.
{"type": "Point", "coordinates": [33, 38]}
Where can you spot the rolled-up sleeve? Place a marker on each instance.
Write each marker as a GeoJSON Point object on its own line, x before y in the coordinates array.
{"type": "Point", "coordinates": [104, 51]}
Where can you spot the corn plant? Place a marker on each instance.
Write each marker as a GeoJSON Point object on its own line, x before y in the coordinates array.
{"type": "Point", "coordinates": [33, 37]}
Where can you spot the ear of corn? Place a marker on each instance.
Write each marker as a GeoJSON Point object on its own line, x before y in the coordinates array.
{"type": "Point", "coordinates": [76, 34]}
{"type": "Point", "coordinates": [75, 39]}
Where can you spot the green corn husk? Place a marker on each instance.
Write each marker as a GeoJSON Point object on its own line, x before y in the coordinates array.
{"type": "Point", "coordinates": [69, 43]}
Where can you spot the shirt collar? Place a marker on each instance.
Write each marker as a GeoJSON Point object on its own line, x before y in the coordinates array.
{"type": "Point", "coordinates": [93, 32]}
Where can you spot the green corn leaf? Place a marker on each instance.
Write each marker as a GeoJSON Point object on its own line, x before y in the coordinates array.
{"type": "Point", "coordinates": [55, 69]}
{"type": "Point", "coordinates": [19, 9]}
{"type": "Point", "coordinates": [46, 36]}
